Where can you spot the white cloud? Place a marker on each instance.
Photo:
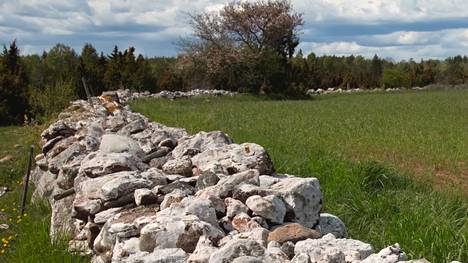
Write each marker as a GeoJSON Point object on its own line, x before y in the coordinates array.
{"type": "Point", "coordinates": [399, 45]}
{"type": "Point", "coordinates": [382, 10]}
{"type": "Point", "coordinates": [149, 23]}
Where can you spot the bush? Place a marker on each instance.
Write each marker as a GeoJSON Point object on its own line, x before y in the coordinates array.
{"type": "Point", "coordinates": [50, 100]}
{"type": "Point", "coordinates": [395, 78]}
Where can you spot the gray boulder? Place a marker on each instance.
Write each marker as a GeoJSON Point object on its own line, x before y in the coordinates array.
{"type": "Point", "coordinates": [226, 185]}
{"type": "Point", "coordinates": [334, 250]}
{"type": "Point", "coordinates": [113, 143]}
{"type": "Point", "coordinates": [97, 164]}
{"type": "Point", "coordinates": [234, 207]}
{"type": "Point", "coordinates": [269, 207]}
{"type": "Point", "coordinates": [237, 248]}
{"type": "Point", "coordinates": [302, 197]}
{"type": "Point", "coordinates": [330, 224]}
{"type": "Point", "coordinates": [182, 166]}
{"type": "Point", "coordinates": [234, 158]}
{"type": "Point", "coordinates": [391, 254]}
{"type": "Point", "coordinates": [200, 142]}
{"type": "Point", "coordinates": [144, 196]}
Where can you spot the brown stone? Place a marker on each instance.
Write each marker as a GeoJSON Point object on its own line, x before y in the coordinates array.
{"type": "Point", "coordinates": [293, 232]}
{"type": "Point", "coordinates": [243, 223]}
{"type": "Point", "coordinates": [188, 240]}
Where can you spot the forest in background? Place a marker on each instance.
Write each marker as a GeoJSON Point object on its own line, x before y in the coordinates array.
{"type": "Point", "coordinates": [34, 86]}
{"type": "Point", "coordinates": [247, 47]}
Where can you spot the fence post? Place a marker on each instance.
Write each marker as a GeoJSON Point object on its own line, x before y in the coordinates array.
{"type": "Point", "coordinates": [88, 94]}
{"type": "Point", "coordinates": [26, 181]}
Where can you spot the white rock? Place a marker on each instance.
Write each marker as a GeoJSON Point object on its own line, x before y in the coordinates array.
{"type": "Point", "coordinates": [391, 254]}
{"type": "Point", "coordinates": [103, 216]}
{"type": "Point", "coordinates": [234, 207]}
{"type": "Point", "coordinates": [269, 207]}
{"type": "Point", "coordinates": [301, 258]}
{"type": "Point", "coordinates": [127, 184]}
{"type": "Point", "coordinates": [61, 218]}
{"type": "Point", "coordinates": [237, 248]}
{"type": "Point", "coordinates": [175, 196]}
{"type": "Point", "coordinates": [234, 158]}
{"type": "Point", "coordinates": [144, 196]}
{"type": "Point", "coordinates": [258, 234]}
{"type": "Point", "coordinates": [112, 143]}
{"type": "Point", "coordinates": [170, 233]}
{"type": "Point", "coordinates": [227, 184]}
{"type": "Point", "coordinates": [202, 208]}
{"type": "Point", "coordinates": [123, 249]}
{"type": "Point", "coordinates": [203, 251]}
{"type": "Point", "coordinates": [328, 247]}
{"type": "Point", "coordinates": [201, 142]}
{"type": "Point", "coordinates": [44, 182]}
{"type": "Point", "coordinates": [170, 255]}
{"type": "Point", "coordinates": [98, 164]}
{"type": "Point", "coordinates": [182, 166]}
{"type": "Point", "coordinates": [302, 197]}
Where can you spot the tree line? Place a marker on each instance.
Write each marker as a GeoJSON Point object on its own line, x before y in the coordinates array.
{"type": "Point", "coordinates": [246, 47]}
{"type": "Point", "coordinates": [37, 86]}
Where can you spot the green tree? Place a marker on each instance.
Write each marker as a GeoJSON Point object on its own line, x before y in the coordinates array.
{"type": "Point", "coordinates": [129, 69]}
{"type": "Point", "coordinates": [13, 86]}
{"type": "Point", "coordinates": [91, 69]}
{"type": "Point", "coordinates": [395, 78]}
{"type": "Point", "coordinates": [113, 74]}
{"type": "Point", "coordinates": [61, 64]}
{"type": "Point", "coordinates": [143, 79]}
{"type": "Point", "coordinates": [376, 71]}
{"type": "Point", "coordinates": [454, 71]}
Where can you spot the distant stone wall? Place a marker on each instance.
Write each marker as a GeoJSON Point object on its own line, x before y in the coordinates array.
{"type": "Point", "coordinates": [127, 95]}
{"type": "Point", "coordinates": [130, 190]}
{"type": "Point", "coordinates": [358, 90]}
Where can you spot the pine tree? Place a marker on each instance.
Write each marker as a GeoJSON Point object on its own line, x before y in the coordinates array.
{"type": "Point", "coordinates": [13, 86]}
{"type": "Point", "coordinates": [113, 76]}
{"type": "Point", "coordinates": [90, 70]}
{"type": "Point", "coordinates": [376, 71]}
{"type": "Point", "coordinates": [129, 69]}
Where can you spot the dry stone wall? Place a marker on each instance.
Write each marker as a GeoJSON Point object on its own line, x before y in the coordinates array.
{"type": "Point", "coordinates": [127, 95]}
{"type": "Point", "coordinates": [130, 190]}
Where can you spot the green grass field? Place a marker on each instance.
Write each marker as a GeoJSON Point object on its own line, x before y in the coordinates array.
{"type": "Point", "coordinates": [27, 240]}
{"type": "Point", "coordinates": [335, 138]}
{"type": "Point", "coordinates": [392, 166]}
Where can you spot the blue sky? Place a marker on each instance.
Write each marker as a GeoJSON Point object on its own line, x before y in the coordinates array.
{"type": "Point", "coordinates": [400, 29]}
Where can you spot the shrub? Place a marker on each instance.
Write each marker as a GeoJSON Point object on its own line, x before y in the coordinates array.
{"type": "Point", "coordinates": [50, 100]}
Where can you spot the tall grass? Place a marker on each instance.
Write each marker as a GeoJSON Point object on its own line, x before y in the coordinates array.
{"type": "Point", "coordinates": [27, 240]}
{"type": "Point", "coordinates": [366, 150]}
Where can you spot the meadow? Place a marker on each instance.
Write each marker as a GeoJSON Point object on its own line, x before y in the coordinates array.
{"type": "Point", "coordinates": [392, 166]}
